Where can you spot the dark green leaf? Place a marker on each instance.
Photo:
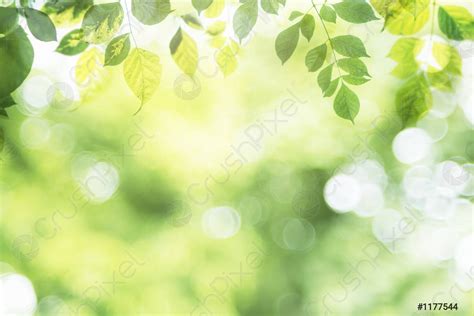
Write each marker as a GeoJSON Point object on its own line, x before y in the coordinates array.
{"type": "Point", "coordinates": [324, 78]}
{"type": "Point", "coordinates": [346, 103]}
{"type": "Point", "coordinates": [101, 22]}
{"type": "Point", "coordinates": [355, 11]}
{"type": "Point", "coordinates": [201, 5]}
{"type": "Point", "coordinates": [328, 14]}
{"type": "Point", "coordinates": [332, 88]}
{"type": "Point", "coordinates": [245, 18]}
{"type": "Point", "coordinates": [353, 80]}
{"type": "Point", "coordinates": [117, 50]}
{"type": "Point", "coordinates": [40, 25]}
{"type": "Point", "coordinates": [72, 43]}
{"type": "Point", "coordinates": [5, 103]}
{"type": "Point", "coordinates": [286, 41]}
{"type": "Point", "coordinates": [295, 14]}
{"type": "Point", "coordinates": [316, 57]}
{"type": "Point", "coordinates": [8, 20]}
{"type": "Point", "coordinates": [192, 21]}
{"type": "Point", "coordinates": [16, 59]}
{"type": "Point", "coordinates": [307, 26]}
{"type": "Point", "coordinates": [413, 99]}
{"type": "Point", "coordinates": [151, 12]}
{"type": "Point", "coordinates": [349, 46]}
{"type": "Point", "coordinates": [353, 66]}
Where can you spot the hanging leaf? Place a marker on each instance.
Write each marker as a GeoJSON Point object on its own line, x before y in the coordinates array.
{"type": "Point", "coordinates": [216, 28]}
{"type": "Point", "coordinates": [316, 57]}
{"type": "Point", "coordinates": [215, 9]}
{"type": "Point", "coordinates": [184, 51]}
{"type": "Point", "coordinates": [353, 66]}
{"type": "Point", "coordinates": [201, 5]}
{"type": "Point", "coordinates": [142, 71]}
{"type": "Point", "coordinates": [355, 11]}
{"type": "Point", "coordinates": [245, 18]}
{"type": "Point", "coordinates": [16, 59]}
{"type": "Point", "coordinates": [40, 25]}
{"type": "Point", "coordinates": [404, 52]}
{"type": "Point", "coordinates": [5, 103]}
{"type": "Point", "coordinates": [353, 80]}
{"type": "Point", "coordinates": [286, 42]}
{"type": "Point", "coordinates": [72, 43]}
{"type": "Point", "coordinates": [456, 22]}
{"type": "Point", "coordinates": [324, 78]}
{"type": "Point", "coordinates": [331, 88]}
{"type": "Point", "coordinates": [295, 14]}
{"type": "Point", "coordinates": [151, 12]}
{"type": "Point", "coordinates": [307, 26]}
{"type": "Point", "coordinates": [226, 60]}
{"type": "Point", "coordinates": [399, 20]}
{"type": "Point", "coordinates": [328, 14]}
{"type": "Point", "coordinates": [192, 21]}
{"type": "Point", "coordinates": [8, 20]}
{"type": "Point", "coordinates": [101, 22]}
{"type": "Point", "coordinates": [117, 50]}
{"type": "Point", "coordinates": [270, 6]}
{"type": "Point", "coordinates": [413, 99]}
{"type": "Point", "coordinates": [346, 103]}
{"type": "Point", "coordinates": [89, 66]}
{"type": "Point", "coordinates": [349, 46]}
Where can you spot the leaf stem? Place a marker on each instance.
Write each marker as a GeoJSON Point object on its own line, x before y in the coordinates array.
{"type": "Point", "coordinates": [130, 23]}
{"type": "Point", "coordinates": [328, 36]}
{"type": "Point", "coordinates": [432, 20]}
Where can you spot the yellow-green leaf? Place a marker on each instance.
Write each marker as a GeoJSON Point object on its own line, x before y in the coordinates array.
{"type": "Point", "coordinates": [227, 61]}
{"type": "Point", "coordinates": [215, 9]}
{"type": "Point", "coordinates": [89, 65]}
{"type": "Point", "coordinates": [101, 22]}
{"type": "Point", "coordinates": [184, 51]}
{"type": "Point", "coordinates": [142, 71]}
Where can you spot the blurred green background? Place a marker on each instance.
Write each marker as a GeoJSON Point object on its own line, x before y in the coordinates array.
{"type": "Point", "coordinates": [179, 210]}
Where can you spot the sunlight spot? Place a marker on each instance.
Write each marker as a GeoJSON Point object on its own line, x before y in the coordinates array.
{"type": "Point", "coordinates": [17, 295]}
{"type": "Point", "coordinates": [221, 222]}
{"type": "Point", "coordinates": [34, 132]}
{"type": "Point", "coordinates": [100, 181]}
{"type": "Point", "coordinates": [412, 145]}
{"type": "Point", "coordinates": [342, 193]}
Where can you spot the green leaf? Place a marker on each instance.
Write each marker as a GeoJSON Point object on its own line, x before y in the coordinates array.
{"type": "Point", "coordinates": [72, 43]}
{"type": "Point", "coordinates": [349, 46]}
{"type": "Point", "coordinates": [316, 57]}
{"type": "Point", "coordinates": [355, 11]}
{"type": "Point", "coordinates": [184, 52]}
{"type": "Point", "coordinates": [142, 71]}
{"type": "Point", "coordinates": [346, 103]}
{"type": "Point", "coordinates": [456, 22]}
{"type": "Point", "coordinates": [151, 12]}
{"type": "Point", "coordinates": [216, 28]}
{"type": "Point", "coordinates": [117, 50]}
{"type": "Point", "coordinates": [101, 22]}
{"type": "Point", "coordinates": [201, 5]}
{"type": "Point", "coordinates": [16, 59]}
{"type": "Point", "coordinates": [8, 20]}
{"type": "Point", "coordinates": [307, 26]}
{"type": "Point", "coordinates": [192, 21]}
{"type": "Point", "coordinates": [404, 51]}
{"type": "Point", "coordinates": [2, 138]}
{"type": "Point", "coordinates": [295, 14]}
{"type": "Point", "coordinates": [324, 78]}
{"type": "Point", "coordinates": [215, 9]}
{"type": "Point", "coordinates": [226, 60]}
{"type": "Point", "coordinates": [271, 6]}
{"type": "Point", "coordinates": [413, 99]}
{"type": "Point", "coordinates": [331, 88]}
{"type": "Point", "coordinates": [353, 80]}
{"type": "Point", "coordinates": [40, 25]}
{"type": "Point", "coordinates": [245, 18]}
{"type": "Point", "coordinates": [403, 17]}
{"type": "Point", "coordinates": [353, 66]}
{"type": "Point", "coordinates": [328, 14]}
{"type": "Point", "coordinates": [5, 103]}
{"type": "Point", "coordinates": [286, 42]}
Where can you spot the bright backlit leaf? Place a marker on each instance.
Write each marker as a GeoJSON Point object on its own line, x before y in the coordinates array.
{"type": "Point", "coordinates": [142, 71]}
{"type": "Point", "coordinates": [101, 22]}
{"type": "Point", "coordinates": [184, 52]}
